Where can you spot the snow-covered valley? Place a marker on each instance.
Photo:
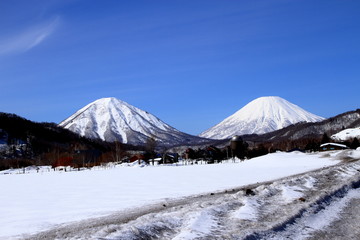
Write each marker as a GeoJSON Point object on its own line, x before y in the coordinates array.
{"type": "Point", "coordinates": [171, 202]}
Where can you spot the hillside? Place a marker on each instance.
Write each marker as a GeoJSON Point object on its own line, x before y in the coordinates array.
{"type": "Point", "coordinates": [40, 143]}
{"type": "Point", "coordinates": [301, 132]}
{"type": "Point", "coordinates": [347, 134]}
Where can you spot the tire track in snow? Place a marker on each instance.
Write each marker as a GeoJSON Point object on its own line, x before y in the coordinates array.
{"type": "Point", "coordinates": [320, 212]}
{"type": "Point", "coordinates": [269, 209]}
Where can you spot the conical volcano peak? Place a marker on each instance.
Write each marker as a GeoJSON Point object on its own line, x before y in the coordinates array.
{"type": "Point", "coordinates": [268, 99]}
{"type": "Point", "coordinates": [269, 102]}
{"type": "Point", "coordinates": [111, 119]}
{"type": "Point", "coordinates": [108, 101]}
{"type": "Point", "coordinates": [262, 115]}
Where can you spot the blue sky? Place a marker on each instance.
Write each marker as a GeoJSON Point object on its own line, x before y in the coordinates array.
{"type": "Point", "coordinates": [190, 63]}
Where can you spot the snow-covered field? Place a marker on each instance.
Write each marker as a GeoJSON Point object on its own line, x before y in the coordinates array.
{"type": "Point", "coordinates": [36, 202]}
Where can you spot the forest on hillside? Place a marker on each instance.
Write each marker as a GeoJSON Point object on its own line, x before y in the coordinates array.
{"type": "Point", "coordinates": [25, 143]}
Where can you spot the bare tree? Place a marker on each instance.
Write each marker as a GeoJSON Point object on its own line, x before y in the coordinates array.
{"type": "Point", "coordinates": [118, 153]}
{"type": "Point", "coordinates": [150, 148]}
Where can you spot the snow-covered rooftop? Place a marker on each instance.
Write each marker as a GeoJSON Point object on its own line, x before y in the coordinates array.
{"type": "Point", "coordinates": [334, 144]}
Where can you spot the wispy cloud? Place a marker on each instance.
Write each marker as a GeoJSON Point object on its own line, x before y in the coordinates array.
{"type": "Point", "coordinates": [29, 38]}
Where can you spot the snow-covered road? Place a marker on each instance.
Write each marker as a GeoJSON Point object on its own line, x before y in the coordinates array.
{"type": "Point", "coordinates": [312, 205]}
{"type": "Point", "coordinates": [345, 226]}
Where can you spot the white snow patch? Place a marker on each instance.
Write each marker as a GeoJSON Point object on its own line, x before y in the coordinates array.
{"type": "Point", "coordinates": [200, 224]}
{"type": "Point", "coordinates": [249, 211]}
{"type": "Point", "coordinates": [356, 154]}
{"type": "Point", "coordinates": [346, 134]}
{"type": "Point", "coordinates": [290, 193]}
{"type": "Point", "coordinates": [309, 182]}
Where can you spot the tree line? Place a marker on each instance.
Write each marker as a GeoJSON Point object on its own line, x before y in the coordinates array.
{"type": "Point", "coordinates": [24, 143]}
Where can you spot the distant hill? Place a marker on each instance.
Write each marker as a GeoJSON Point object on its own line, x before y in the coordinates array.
{"type": "Point", "coordinates": [308, 131]}
{"type": "Point", "coordinates": [40, 143]}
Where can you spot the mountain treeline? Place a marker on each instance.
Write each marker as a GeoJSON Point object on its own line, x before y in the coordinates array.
{"type": "Point", "coordinates": [24, 143]}
{"type": "Point", "coordinates": [304, 136]}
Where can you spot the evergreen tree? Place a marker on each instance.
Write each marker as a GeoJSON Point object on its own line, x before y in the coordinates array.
{"type": "Point", "coordinates": [239, 147]}
{"type": "Point", "coordinates": [355, 144]}
{"type": "Point", "coordinates": [325, 139]}
{"type": "Point", "coordinates": [312, 146]}
{"type": "Point", "coordinates": [150, 149]}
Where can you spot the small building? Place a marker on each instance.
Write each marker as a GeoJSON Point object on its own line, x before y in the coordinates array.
{"type": "Point", "coordinates": [332, 146]}
{"type": "Point", "coordinates": [136, 158]}
{"type": "Point", "coordinates": [63, 162]}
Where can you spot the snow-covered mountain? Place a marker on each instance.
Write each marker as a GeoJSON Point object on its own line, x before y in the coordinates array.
{"type": "Point", "coordinates": [111, 120]}
{"type": "Point", "coordinates": [262, 115]}
{"type": "Point", "coordinates": [347, 134]}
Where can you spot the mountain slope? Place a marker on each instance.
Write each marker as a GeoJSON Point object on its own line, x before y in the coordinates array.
{"type": "Point", "coordinates": [347, 134]}
{"type": "Point", "coordinates": [262, 115]}
{"type": "Point", "coordinates": [111, 120]}
{"type": "Point", "coordinates": [315, 130]}
{"type": "Point", "coordinates": [33, 143]}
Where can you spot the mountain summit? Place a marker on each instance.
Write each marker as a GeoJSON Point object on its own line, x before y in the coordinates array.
{"type": "Point", "coordinates": [262, 115]}
{"type": "Point", "coordinates": [111, 119]}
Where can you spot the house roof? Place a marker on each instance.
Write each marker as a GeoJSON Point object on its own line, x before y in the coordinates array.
{"type": "Point", "coordinates": [333, 144]}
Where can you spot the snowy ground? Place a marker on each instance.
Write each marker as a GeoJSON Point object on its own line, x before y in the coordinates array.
{"type": "Point", "coordinates": [154, 202]}
{"type": "Point", "coordinates": [347, 134]}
